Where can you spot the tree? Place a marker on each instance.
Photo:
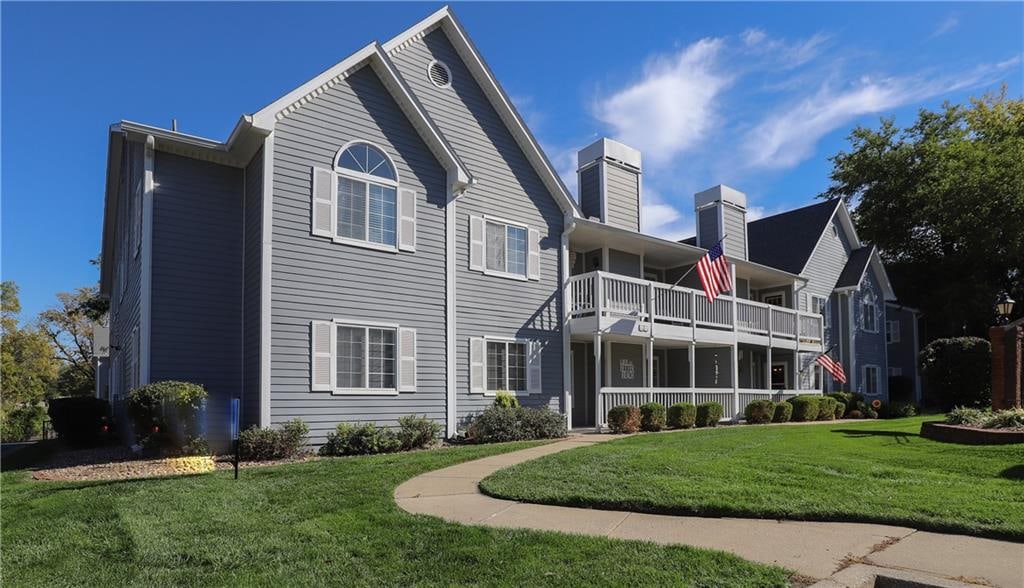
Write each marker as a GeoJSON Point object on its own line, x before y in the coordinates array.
{"type": "Point", "coordinates": [69, 328]}
{"type": "Point", "coordinates": [943, 200]}
{"type": "Point", "coordinates": [28, 367]}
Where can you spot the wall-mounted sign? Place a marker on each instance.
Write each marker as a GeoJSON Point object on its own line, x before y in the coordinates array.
{"type": "Point", "coordinates": [626, 369]}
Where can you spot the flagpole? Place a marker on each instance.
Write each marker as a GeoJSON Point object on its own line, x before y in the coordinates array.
{"type": "Point", "coordinates": [692, 267]}
{"type": "Point", "coordinates": [826, 352]}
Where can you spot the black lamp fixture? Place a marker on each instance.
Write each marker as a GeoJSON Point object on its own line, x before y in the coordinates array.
{"type": "Point", "coordinates": [1004, 306]}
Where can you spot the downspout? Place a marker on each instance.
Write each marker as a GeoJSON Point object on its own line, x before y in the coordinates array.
{"type": "Point", "coordinates": [457, 190]}
{"type": "Point", "coordinates": [569, 225]}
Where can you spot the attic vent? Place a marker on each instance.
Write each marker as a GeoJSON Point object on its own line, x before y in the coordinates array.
{"type": "Point", "coordinates": [439, 74]}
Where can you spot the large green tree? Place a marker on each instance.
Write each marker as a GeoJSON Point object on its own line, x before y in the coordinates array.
{"type": "Point", "coordinates": [69, 327]}
{"type": "Point", "coordinates": [28, 369]}
{"type": "Point", "coordinates": [943, 199]}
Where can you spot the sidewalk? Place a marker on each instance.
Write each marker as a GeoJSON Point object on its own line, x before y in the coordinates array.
{"type": "Point", "coordinates": [839, 554]}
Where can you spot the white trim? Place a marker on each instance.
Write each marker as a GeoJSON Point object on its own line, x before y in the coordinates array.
{"type": "Point", "coordinates": [443, 66]}
{"type": "Point", "coordinates": [853, 343]}
{"type": "Point", "coordinates": [524, 277]}
{"type": "Point", "coordinates": [361, 176]}
{"type": "Point", "coordinates": [567, 354]}
{"type": "Point", "coordinates": [785, 373]}
{"type": "Point", "coordinates": [451, 367]}
{"type": "Point", "coordinates": [266, 264]}
{"type": "Point", "coordinates": [146, 278]}
{"type": "Point", "coordinates": [878, 385]}
{"type": "Point", "coordinates": [526, 367]}
{"type": "Point", "coordinates": [768, 293]}
{"type": "Point", "coordinates": [366, 325]}
{"type": "Point", "coordinates": [602, 189]}
{"type": "Point", "coordinates": [367, 180]}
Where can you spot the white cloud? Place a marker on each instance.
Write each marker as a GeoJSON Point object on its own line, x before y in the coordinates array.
{"type": "Point", "coordinates": [948, 25]}
{"type": "Point", "coordinates": [781, 52]}
{"type": "Point", "coordinates": [787, 137]}
{"type": "Point", "coordinates": [662, 219]}
{"type": "Point", "coordinates": [674, 104]}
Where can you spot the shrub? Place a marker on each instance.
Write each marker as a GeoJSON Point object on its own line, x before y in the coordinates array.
{"type": "Point", "coordinates": [258, 443]}
{"type": "Point", "coordinates": [708, 414]}
{"type": "Point", "coordinates": [624, 419]}
{"type": "Point", "coordinates": [826, 408]}
{"type": "Point", "coordinates": [652, 416]}
{"type": "Point", "coordinates": [783, 412]}
{"type": "Point", "coordinates": [166, 414]}
{"type": "Point", "coordinates": [840, 410]}
{"type": "Point", "coordinates": [505, 399]}
{"type": "Point", "coordinates": [805, 408]}
{"type": "Point", "coordinates": [845, 399]}
{"type": "Point", "coordinates": [417, 432]}
{"type": "Point", "coordinates": [1005, 419]}
{"type": "Point", "coordinates": [196, 446]}
{"type": "Point", "coordinates": [855, 414]}
{"type": "Point", "coordinates": [23, 422]}
{"type": "Point", "coordinates": [759, 412]}
{"type": "Point", "coordinates": [682, 415]}
{"type": "Point", "coordinates": [957, 371]}
{"type": "Point", "coordinates": [80, 421]}
{"type": "Point", "coordinates": [898, 410]}
{"type": "Point", "coordinates": [498, 424]}
{"type": "Point", "coordinates": [964, 415]}
{"type": "Point", "coordinates": [360, 439]}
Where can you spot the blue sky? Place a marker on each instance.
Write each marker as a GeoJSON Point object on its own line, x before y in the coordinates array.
{"type": "Point", "coordinates": [757, 96]}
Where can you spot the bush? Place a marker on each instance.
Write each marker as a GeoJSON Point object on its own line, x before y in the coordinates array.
{"type": "Point", "coordinates": [166, 414]}
{"type": "Point", "coordinates": [505, 399]}
{"type": "Point", "coordinates": [805, 408]}
{"type": "Point", "coordinates": [840, 409]}
{"type": "Point", "coordinates": [759, 412]}
{"type": "Point", "coordinates": [497, 424]}
{"type": "Point", "coordinates": [958, 371]}
{"type": "Point", "coordinates": [845, 399]}
{"type": "Point", "coordinates": [826, 408]}
{"type": "Point", "coordinates": [624, 419]}
{"type": "Point", "coordinates": [897, 410]}
{"type": "Point", "coordinates": [80, 421]}
{"type": "Point", "coordinates": [23, 422]}
{"type": "Point", "coordinates": [682, 415]}
{"type": "Point", "coordinates": [1005, 419]}
{"type": "Point", "coordinates": [652, 417]}
{"type": "Point", "coordinates": [360, 439]}
{"type": "Point", "coordinates": [708, 414]}
{"type": "Point", "coordinates": [783, 412]}
{"type": "Point", "coordinates": [964, 415]}
{"type": "Point", "coordinates": [855, 414]}
{"type": "Point", "coordinates": [417, 432]}
{"type": "Point", "coordinates": [258, 443]}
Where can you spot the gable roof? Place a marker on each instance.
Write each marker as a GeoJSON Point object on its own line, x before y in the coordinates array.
{"type": "Point", "coordinates": [787, 240]}
{"type": "Point", "coordinates": [446, 20]}
{"type": "Point", "coordinates": [853, 271]}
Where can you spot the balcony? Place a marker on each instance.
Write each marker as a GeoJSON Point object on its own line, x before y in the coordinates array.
{"type": "Point", "coordinates": [625, 305]}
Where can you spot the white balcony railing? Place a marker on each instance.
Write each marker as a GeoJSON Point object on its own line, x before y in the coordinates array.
{"type": "Point", "coordinates": [733, 402]}
{"type": "Point", "coordinates": [604, 294]}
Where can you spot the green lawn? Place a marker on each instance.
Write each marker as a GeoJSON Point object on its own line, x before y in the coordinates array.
{"type": "Point", "coordinates": [875, 471]}
{"type": "Point", "coordinates": [325, 522]}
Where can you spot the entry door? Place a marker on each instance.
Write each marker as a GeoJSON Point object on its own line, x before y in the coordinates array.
{"type": "Point", "coordinates": [780, 376]}
{"type": "Point", "coordinates": [582, 393]}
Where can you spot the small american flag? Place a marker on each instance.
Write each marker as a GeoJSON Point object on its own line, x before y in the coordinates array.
{"type": "Point", "coordinates": [834, 367]}
{"type": "Point", "coordinates": [713, 270]}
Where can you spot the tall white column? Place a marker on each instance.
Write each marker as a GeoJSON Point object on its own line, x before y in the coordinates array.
{"type": "Point", "coordinates": [768, 370]}
{"type": "Point", "coordinates": [649, 375]}
{"type": "Point", "coordinates": [598, 381]}
{"type": "Point", "coordinates": [692, 349]}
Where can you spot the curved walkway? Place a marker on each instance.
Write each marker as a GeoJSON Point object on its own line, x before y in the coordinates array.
{"type": "Point", "coordinates": [838, 554]}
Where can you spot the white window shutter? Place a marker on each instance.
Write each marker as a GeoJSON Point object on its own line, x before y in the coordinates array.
{"type": "Point", "coordinates": [533, 259]}
{"type": "Point", "coordinates": [325, 194]}
{"type": "Point", "coordinates": [476, 243]}
{"type": "Point", "coordinates": [322, 343]}
{"type": "Point", "coordinates": [476, 365]}
{"type": "Point", "coordinates": [533, 371]}
{"type": "Point", "coordinates": [407, 360]}
{"type": "Point", "coordinates": [407, 220]}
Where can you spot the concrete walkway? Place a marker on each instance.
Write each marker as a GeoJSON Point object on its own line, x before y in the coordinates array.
{"type": "Point", "coordinates": [837, 554]}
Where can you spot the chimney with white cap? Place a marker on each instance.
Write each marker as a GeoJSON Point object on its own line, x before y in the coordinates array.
{"type": "Point", "coordinates": [722, 211]}
{"type": "Point", "coordinates": [609, 183]}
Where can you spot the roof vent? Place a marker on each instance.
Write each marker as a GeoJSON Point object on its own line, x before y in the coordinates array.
{"type": "Point", "coordinates": [439, 74]}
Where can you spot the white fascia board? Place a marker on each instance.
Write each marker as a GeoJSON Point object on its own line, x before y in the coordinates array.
{"type": "Point", "coordinates": [876, 261]}
{"type": "Point", "coordinates": [464, 46]}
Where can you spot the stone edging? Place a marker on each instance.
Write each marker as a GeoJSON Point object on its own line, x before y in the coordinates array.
{"type": "Point", "coordinates": [970, 435]}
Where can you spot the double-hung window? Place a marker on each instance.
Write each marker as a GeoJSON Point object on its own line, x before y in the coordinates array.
{"type": "Point", "coordinates": [367, 196]}
{"type": "Point", "coordinates": [892, 331]}
{"type": "Point", "coordinates": [506, 248]}
{"type": "Point", "coordinates": [868, 310]}
{"type": "Point", "coordinates": [870, 380]}
{"type": "Point", "coordinates": [506, 366]}
{"type": "Point", "coordinates": [349, 357]}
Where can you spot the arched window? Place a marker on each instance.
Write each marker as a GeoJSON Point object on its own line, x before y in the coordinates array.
{"type": "Point", "coordinates": [367, 194]}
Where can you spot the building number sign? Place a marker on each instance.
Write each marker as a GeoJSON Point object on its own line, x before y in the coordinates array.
{"type": "Point", "coordinates": [626, 369]}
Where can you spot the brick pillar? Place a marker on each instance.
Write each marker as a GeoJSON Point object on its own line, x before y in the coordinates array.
{"type": "Point", "coordinates": [995, 335]}
{"type": "Point", "coordinates": [1006, 366]}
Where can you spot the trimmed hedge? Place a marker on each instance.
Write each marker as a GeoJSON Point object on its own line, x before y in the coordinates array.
{"type": "Point", "coordinates": [360, 439]}
{"type": "Point", "coordinates": [805, 408]}
{"type": "Point", "coordinates": [624, 419]}
{"type": "Point", "coordinates": [652, 417]}
{"type": "Point", "coordinates": [759, 412]}
{"type": "Point", "coordinates": [958, 371]}
{"type": "Point", "coordinates": [682, 415]}
{"type": "Point", "coordinates": [497, 424]}
{"type": "Point", "coordinates": [80, 421]}
{"type": "Point", "coordinates": [708, 414]}
{"type": "Point", "coordinates": [264, 443]}
{"type": "Point", "coordinates": [505, 399]}
{"type": "Point", "coordinates": [840, 410]}
{"type": "Point", "coordinates": [827, 408]}
{"type": "Point", "coordinates": [166, 414]}
{"type": "Point", "coordinates": [783, 412]}
{"type": "Point", "coordinates": [845, 399]}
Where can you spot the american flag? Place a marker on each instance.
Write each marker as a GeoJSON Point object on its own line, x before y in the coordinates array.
{"type": "Point", "coordinates": [834, 367]}
{"type": "Point", "coordinates": [713, 270]}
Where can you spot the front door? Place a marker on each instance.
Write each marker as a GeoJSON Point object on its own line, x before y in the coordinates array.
{"type": "Point", "coordinates": [780, 376]}
{"type": "Point", "coordinates": [582, 385]}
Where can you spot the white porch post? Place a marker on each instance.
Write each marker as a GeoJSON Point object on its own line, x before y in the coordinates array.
{"type": "Point", "coordinates": [598, 380]}
{"type": "Point", "coordinates": [768, 371]}
{"type": "Point", "coordinates": [649, 375]}
{"type": "Point", "coordinates": [692, 349]}
{"type": "Point", "coordinates": [735, 351]}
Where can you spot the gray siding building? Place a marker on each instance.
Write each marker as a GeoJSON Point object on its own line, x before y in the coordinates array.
{"type": "Point", "coordinates": [389, 239]}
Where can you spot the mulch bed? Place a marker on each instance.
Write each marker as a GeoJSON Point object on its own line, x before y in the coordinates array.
{"type": "Point", "coordinates": [120, 463]}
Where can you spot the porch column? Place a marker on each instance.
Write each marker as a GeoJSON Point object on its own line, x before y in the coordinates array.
{"type": "Point", "coordinates": [795, 370]}
{"type": "Point", "coordinates": [768, 371]}
{"type": "Point", "coordinates": [692, 349]}
{"type": "Point", "coordinates": [735, 381]}
{"type": "Point", "coordinates": [598, 380]}
{"type": "Point", "coordinates": [649, 376]}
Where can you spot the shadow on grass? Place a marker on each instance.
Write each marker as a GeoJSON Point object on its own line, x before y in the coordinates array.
{"type": "Point", "coordinates": [29, 456]}
{"type": "Point", "coordinates": [901, 437]}
{"type": "Point", "coordinates": [1013, 472]}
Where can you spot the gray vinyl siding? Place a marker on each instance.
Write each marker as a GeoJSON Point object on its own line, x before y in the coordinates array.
{"type": "Point", "coordinates": [824, 266]}
{"type": "Point", "coordinates": [314, 278]}
{"type": "Point", "coordinates": [197, 282]}
{"type": "Point", "coordinates": [869, 348]}
{"type": "Point", "coordinates": [590, 192]}
{"type": "Point", "coordinates": [705, 373]}
{"type": "Point", "coordinates": [252, 259]}
{"type": "Point", "coordinates": [734, 223]}
{"type": "Point", "coordinates": [125, 309]}
{"type": "Point", "coordinates": [707, 227]}
{"type": "Point", "coordinates": [623, 263]}
{"type": "Point", "coordinates": [623, 193]}
{"type": "Point", "coordinates": [508, 187]}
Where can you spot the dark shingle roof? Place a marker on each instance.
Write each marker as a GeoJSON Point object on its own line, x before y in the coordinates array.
{"type": "Point", "coordinates": [854, 269]}
{"type": "Point", "coordinates": [786, 241]}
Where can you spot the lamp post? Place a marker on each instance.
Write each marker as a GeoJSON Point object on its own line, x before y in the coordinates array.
{"type": "Point", "coordinates": [1004, 306]}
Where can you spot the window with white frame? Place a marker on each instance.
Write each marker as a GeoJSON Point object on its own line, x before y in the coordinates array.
{"type": "Point", "coordinates": [504, 248]}
{"type": "Point", "coordinates": [362, 358]}
{"type": "Point", "coordinates": [868, 316]}
{"type": "Point", "coordinates": [506, 366]}
{"type": "Point", "coordinates": [892, 331]}
{"type": "Point", "coordinates": [819, 305]}
{"type": "Point", "coordinates": [870, 380]}
{"type": "Point", "coordinates": [895, 372]}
